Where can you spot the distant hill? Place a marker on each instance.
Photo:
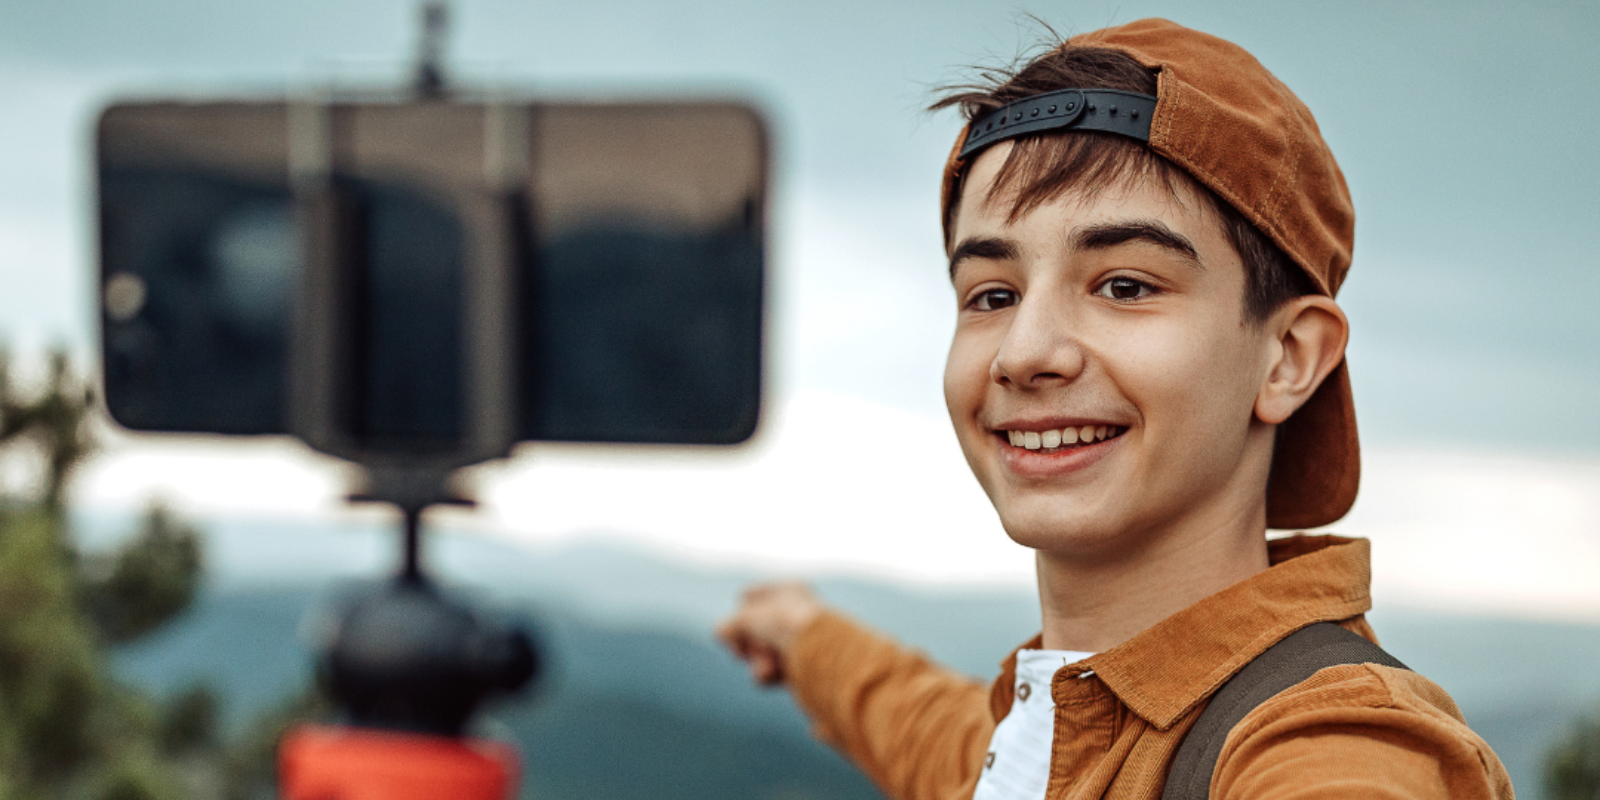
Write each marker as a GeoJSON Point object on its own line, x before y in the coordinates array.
{"type": "Point", "coordinates": [640, 702]}
{"type": "Point", "coordinates": [620, 714]}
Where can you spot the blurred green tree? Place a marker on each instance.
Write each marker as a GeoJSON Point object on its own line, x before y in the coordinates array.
{"type": "Point", "coordinates": [1572, 767]}
{"type": "Point", "coordinates": [146, 582]}
{"type": "Point", "coordinates": [67, 729]}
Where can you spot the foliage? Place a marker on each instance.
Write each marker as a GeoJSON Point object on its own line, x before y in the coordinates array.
{"type": "Point", "coordinates": [252, 758]}
{"type": "Point", "coordinates": [148, 580]}
{"type": "Point", "coordinates": [67, 729]}
{"type": "Point", "coordinates": [1572, 768]}
{"type": "Point", "coordinates": [189, 721]}
{"type": "Point", "coordinates": [54, 421]}
{"type": "Point", "coordinates": [51, 670]}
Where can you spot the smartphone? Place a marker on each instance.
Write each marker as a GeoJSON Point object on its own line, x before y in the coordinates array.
{"type": "Point", "coordinates": [399, 272]}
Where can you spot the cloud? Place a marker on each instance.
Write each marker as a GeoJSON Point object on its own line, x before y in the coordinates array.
{"type": "Point", "coordinates": [836, 484]}
{"type": "Point", "coordinates": [1469, 293]}
{"type": "Point", "coordinates": [1482, 532]}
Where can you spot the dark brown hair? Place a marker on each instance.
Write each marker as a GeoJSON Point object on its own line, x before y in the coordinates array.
{"type": "Point", "coordinates": [1043, 167]}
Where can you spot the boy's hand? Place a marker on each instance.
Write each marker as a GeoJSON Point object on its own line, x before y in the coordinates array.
{"type": "Point", "coordinates": [765, 625]}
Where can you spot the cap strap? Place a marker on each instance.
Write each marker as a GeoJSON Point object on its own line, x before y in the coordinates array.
{"type": "Point", "coordinates": [1107, 110]}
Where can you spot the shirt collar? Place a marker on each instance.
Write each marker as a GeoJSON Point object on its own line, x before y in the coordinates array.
{"type": "Point", "coordinates": [1168, 668]}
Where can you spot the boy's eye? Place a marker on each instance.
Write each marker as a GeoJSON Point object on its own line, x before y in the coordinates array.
{"type": "Point", "coordinates": [994, 300]}
{"type": "Point", "coordinates": [1125, 289]}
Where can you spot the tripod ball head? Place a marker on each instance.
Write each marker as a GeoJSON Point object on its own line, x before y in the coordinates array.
{"type": "Point", "coordinates": [408, 657]}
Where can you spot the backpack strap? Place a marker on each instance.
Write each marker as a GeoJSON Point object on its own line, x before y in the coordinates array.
{"type": "Point", "coordinates": [1294, 659]}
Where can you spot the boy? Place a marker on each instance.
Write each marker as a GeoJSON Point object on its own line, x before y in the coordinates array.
{"type": "Point", "coordinates": [1145, 232]}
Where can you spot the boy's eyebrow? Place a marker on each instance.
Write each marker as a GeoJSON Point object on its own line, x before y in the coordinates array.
{"type": "Point", "coordinates": [1111, 234]}
{"type": "Point", "coordinates": [989, 247]}
{"type": "Point", "coordinates": [1092, 237]}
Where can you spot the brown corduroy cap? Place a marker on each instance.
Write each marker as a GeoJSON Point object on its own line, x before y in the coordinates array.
{"type": "Point", "coordinates": [1227, 122]}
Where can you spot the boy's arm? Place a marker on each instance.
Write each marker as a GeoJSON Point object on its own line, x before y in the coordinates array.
{"type": "Point", "coordinates": [918, 730]}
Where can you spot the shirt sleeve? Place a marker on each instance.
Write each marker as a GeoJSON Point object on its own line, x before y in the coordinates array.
{"type": "Point", "coordinates": [1359, 731]}
{"type": "Point", "coordinates": [918, 730]}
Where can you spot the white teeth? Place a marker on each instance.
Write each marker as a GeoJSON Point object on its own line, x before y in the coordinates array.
{"type": "Point", "coordinates": [1066, 437]}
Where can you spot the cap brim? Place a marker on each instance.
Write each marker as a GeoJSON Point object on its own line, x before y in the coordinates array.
{"type": "Point", "coordinates": [1316, 462]}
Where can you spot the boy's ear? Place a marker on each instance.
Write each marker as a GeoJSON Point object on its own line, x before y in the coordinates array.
{"type": "Point", "coordinates": [1310, 334]}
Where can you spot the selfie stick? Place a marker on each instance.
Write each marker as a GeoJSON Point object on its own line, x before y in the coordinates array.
{"type": "Point", "coordinates": [406, 664]}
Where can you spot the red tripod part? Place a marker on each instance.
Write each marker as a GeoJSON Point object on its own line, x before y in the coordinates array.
{"type": "Point", "coordinates": [406, 664]}
{"type": "Point", "coordinates": [325, 762]}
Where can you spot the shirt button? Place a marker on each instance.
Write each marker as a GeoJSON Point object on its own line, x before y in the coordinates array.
{"type": "Point", "coordinates": [988, 760]}
{"type": "Point", "coordinates": [1023, 690]}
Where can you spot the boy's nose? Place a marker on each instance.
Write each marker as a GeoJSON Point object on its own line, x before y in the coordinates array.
{"type": "Point", "coordinates": [1039, 348]}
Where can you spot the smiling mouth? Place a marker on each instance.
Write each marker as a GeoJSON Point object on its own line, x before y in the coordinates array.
{"type": "Point", "coordinates": [1062, 439]}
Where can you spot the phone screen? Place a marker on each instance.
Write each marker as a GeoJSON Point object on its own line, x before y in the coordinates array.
{"type": "Point", "coordinates": [636, 261]}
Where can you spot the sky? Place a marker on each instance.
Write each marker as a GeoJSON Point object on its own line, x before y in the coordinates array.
{"type": "Point", "coordinates": [1463, 129]}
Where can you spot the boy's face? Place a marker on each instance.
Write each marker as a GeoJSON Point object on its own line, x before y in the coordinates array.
{"type": "Point", "coordinates": [1119, 316]}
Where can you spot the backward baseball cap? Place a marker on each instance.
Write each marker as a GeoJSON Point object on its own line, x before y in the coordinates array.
{"type": "Point", "coordinates": [1234, 127]}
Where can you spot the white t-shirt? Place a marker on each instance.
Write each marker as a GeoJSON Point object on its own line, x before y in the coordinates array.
{"type": "Point", "coordinates": [1018, 764]}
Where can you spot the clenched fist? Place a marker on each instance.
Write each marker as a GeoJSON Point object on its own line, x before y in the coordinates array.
{"type": "Point", "coordinates": [764, 627]}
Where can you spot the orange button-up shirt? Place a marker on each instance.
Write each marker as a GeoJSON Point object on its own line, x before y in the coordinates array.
{"type": "Point", "coordinates": [921, 732]}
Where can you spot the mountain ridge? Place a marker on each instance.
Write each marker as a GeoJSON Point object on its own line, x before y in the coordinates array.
{"type": "Point", "coordinates": [628, 629]}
